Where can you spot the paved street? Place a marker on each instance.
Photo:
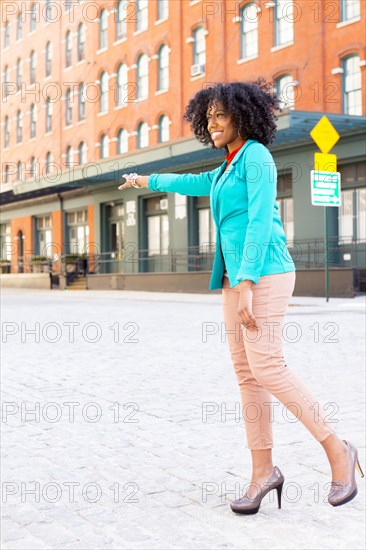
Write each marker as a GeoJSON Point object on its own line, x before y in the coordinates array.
{"type": "Point", "coordinates": [122, 427]}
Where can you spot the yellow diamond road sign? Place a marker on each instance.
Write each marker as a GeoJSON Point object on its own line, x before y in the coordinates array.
{"type": "Point", "coordinates": [324, 134]}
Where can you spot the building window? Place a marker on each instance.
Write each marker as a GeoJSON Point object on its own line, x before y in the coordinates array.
{"type": "Point", "coordinates": [122, 85]}
{"type": "Point", "coordinates": [6, 132]}
{"type": "Point", "coordinates": [157, 225]}
{"type": "Point", "coordinates": [48, 58]}
{"type": "Point", "coordinates": [69, 157]}
{"type": "Point", "coordinates": [33, 20]}
{"type": "Point", "coordinates": [199, 47]}
{"type": "Point", "coordinates": [68, 48]}
{"type": "Point", "coordinates": [7, 35]}
{"type": "Point", "coordinates": [285, 89]}
{"type": "Point", "coordinates": [163, 68]}
{"type": "Point", "coordinates": [81, 42]}
{"type": "Point", "coordinates": [33, 120]}
{"type": "Point", "coordinates": [19, 171]}
{"type": "Point", "coordinates": [206, 225]}
{"type": "Point", "coordinates": [352, 87]}
{"type": "Point", "coordinates": [103, 30]}
{"type": "Point", "coordinates": [81, 103]}
{"type": "Point", "coordinates": [68, 112]}
{"type": "Point", "coordinates": [104, 92]}
{"type": "Point", "coordinates": [122, 141]}
{"type": "Point", "coordinates": [350, 9]}
{"type": "Point", "coordinates": [44, 236]}
{"type": "Point", "coordinates": [142, 77]}
{"type": "Point", "coordinates": [49, 110]}
{"type": "Point", "coordinates": [32, 168]}
{"type": "Point", "coordinates": [82, 152]}
{"type": "Point", "coordinates": [68, 5]}
{"type": "Point", "coordinates": [284, 30]}
{"type": "Point", "coordinates": [163, 9]}
{"type": "Point", "coordinates": [163, 126]}
{"type": "Point", "coordinates": [352, 212]}
{"type": "Point", "coordinates": [32, 75]}
{"type": "Point", "coordinates": [19, 27]}
{"type": "Point", "coordinates": [121, 25]}
{"type": "Point", "coordinates": [142, 15]}
{"type": "Point", "coordinates": [5, 242]}
{"type": "Point", "coordinates": [48, 10]}
{"type": "Point", "coordinates": [19, 73]}
{"type": "Point", "coordinates": [19, 127]}
{"type": "Point", "coordinates": [7, 174]}
{"type": "Point", "coordinates": [48, 163]}
{"type": "Point", "coordinates": [142, 135]}
{"type": "Point", "coordinates": [104, 147]}
{"type": "Point", "coordinates": [78, 231]}
{"type": "Point", "coordinates": [249, 31]}
{"type": "Point", "coordinates": [285, 204]}
{"type": "Point", "coordinates": [6, 80]}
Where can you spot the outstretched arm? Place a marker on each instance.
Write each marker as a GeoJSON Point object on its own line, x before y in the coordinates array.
{"type": "Point", "coordinates": [195, 185]}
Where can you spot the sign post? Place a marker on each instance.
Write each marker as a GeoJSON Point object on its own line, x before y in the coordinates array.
{"type": "Point", "coordinates": [325, 180]}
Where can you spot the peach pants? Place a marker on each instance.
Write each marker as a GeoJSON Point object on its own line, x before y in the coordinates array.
{"type": "Point", "coordinates": [259, 364]}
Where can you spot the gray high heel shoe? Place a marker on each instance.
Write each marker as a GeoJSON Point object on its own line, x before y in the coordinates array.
{"type": "Point", "coordinates": [340, 492]}
{"type": "Point", "coordinates": [250, 505]}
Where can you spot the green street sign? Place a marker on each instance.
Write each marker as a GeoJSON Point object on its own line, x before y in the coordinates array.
{"type": "Point", "coordinates": [325, 188]}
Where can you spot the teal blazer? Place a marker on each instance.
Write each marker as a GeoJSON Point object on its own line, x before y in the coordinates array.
{"type": "Point", "coordinates": [250, 239]}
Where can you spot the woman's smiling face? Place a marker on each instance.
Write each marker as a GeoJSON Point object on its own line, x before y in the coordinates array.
{"type": "Point", "coordinates": [221, 128]}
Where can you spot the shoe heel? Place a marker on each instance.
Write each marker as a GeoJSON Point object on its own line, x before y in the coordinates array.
{"type": "Point", "coordinates": [358, 467]}
{"type": "Point", "coordinates": [279, 493]}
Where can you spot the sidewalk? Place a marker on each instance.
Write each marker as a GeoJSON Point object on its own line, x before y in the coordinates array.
{"type": "Point", "coordinates": [122, 424]}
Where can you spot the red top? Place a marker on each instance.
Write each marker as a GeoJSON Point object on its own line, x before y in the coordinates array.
{"type": "Point", "coordinates": [229, 157]}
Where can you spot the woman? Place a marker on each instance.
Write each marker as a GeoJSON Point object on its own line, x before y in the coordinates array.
{"type": "Point", "coordinates": [256, 274]}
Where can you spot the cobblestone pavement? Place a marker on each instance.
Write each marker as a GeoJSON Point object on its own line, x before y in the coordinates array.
{"type": "Point", "coordinates": [122, 426]}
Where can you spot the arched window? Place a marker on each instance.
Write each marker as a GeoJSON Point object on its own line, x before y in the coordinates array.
{"type": "Point", "coordinates": [48, 163]}
{"type": "Point", "coordinates": [33, 20]}
{"type": "Point", "coordinates": [82, 152]}
{"type": "Point", "coordinates": [68, 111]}
{"type": "Point", "coordinates": [103, 30]}
{"type": "Point", "coordinates": [249, 31]}
{"type": "Point", "coordinates": [19, 126]}
{"type": "Point", "coordinates": [19, 73]}
{"type": "Point", "coordinates": [142, 135]}
{"type": "Point", "coordinates": [7, 35]}
{"type": "Point", "coordinates": [104, 92]}
{"type": "Point", "coordinates": [81, 42]}
{"type": "Point", "coordinates": [68, 48]}
{"type": "Point", "coordinates": [163, 68]}
{"type": "Point", "coordinates": [163, 128]}
{"type": "Point", "coordinates": [81, 103]}
{"type": "Point", "coordinates": [33, 120]}
{"type": "Point", "coordinates": [122, 85]}
{"type": "Point", "coordinates": [142, 77]}
{"type": "Point", "coordinates": [49, 111]}
{"type": "Point", "coordinates": [121, 23]}
{"type": "Point", "coordinates": [199, 48]}
{"type": "Point", "coordinates": [285, 91]}
{"type": "Point", "coordinates": [104, 147]}
{"type": "Point", "coordinates": [6, 132]}
{"type": "Point", "coordinates": [48, 59]}
{"type": "Point", "coordinates": [19, 27]}
{"type": "Point", "coordinates": [32, 68]}
{"type": "Point", "coordinates": [69, 156]}
{"type": "Point", "coordinates": [352, 87]}
{"type": "Point", "coordinates": [122, 142]}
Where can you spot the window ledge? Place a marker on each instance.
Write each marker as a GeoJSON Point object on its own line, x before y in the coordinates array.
{"type": "Point", "coordinates": [68, 68]}
{"type": "Point", "coordinates": [102, 114]}
{"type": "Point", "coordinates": [80, 62]}
{"type": "Point", "coordinates": [80, 122]}
{"type": "Point", "coordinates": [136, 33]}
{"type": "Point", "coordinates": [159, 92]}
{"type": "Point", "coordinates": [348, 22]}
{"type": "Point", "coordinates": [281, 46]}
{"type": "Point", "coordinates": [161, 20]}
{"type": "Point", "coordinates": [193, 78]}
{"type": "Point", "coordinates": [245, 59]}
{"type": "Point", "coordinates": [120, 41]}
{"type": "Point", "coordinates": [119, 107]}
{"type": "Point", "coordinates": [102, 50]}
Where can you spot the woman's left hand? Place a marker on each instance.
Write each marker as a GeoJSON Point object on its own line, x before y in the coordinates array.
{"type": "Point", "coordinates": [245, 306]}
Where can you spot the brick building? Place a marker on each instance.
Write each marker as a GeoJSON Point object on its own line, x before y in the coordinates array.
{"type": "Point", "coordinates": [93, 89]}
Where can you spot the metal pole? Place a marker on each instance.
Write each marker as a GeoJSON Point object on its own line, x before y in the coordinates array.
{"type": "Point", "coordinates": [326, 255]}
